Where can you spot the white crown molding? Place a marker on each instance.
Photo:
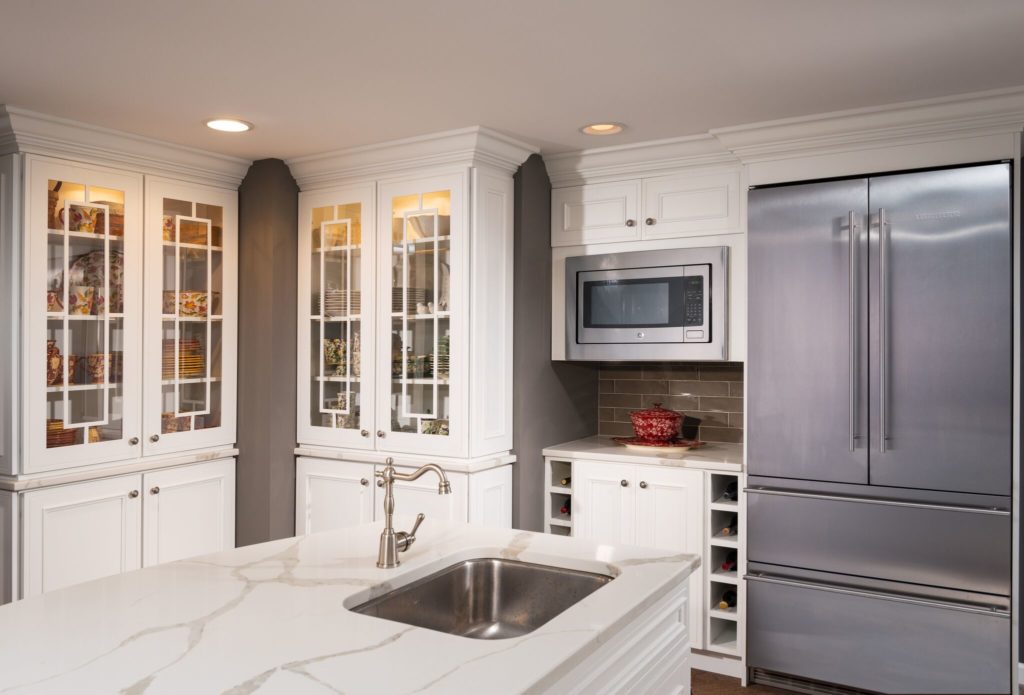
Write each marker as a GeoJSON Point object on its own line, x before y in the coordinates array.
{"type": "Point", "coordinates": [36, 133]}
{"type": "Point", "coordinates": [467, 146]}
{"type": "Point", "coordinates": [929, 120]}
{"type": "Point", "coordinates": [641, 159]}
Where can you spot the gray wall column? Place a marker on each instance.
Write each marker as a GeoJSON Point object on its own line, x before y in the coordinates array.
{"type": "Point", "coordinates": [553, 402]}
{"type": "Point", "coordinates": [268, 202]}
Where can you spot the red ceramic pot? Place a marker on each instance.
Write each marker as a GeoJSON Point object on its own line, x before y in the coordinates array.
{"type": "Point", "coordinates": [656, 424]}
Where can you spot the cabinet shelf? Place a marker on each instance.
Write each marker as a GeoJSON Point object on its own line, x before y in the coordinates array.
{"type": "Point", "coordinates": [336, 319]}
{"type": "Point", "coordinates": [81, 317]}
{"type": "Point", "coordinates": [99, 236]}
{"type": "Point", "coordinates": [558, 521]}
{"type": "Point", "coordinates": [186, 245]}
{"type": "Point", "coordinates": [421, 317]}
{"type": "Point", "coordinates": [725, 541]}
{"type": "Point", "coordinates": [424, 241]}
{"type": "Point", "coordinates": [425, 381]}
{"type": "Point", "coordinates": [723, 614]}
{"type": "Point", "coordinates": [725, 505]}
{"type": "Point", "coordinates": [82, 387]}
{"type": "Point", "coordinates": [723, 636]}
{"type": "Point", "coordinates": [192, 319]}
{"type": "Point", "coordinates": [343, 247]}
{"type": "Point", "coordinates": [192, 380]}
{"type": "Point", "coordinates": [338, 378]}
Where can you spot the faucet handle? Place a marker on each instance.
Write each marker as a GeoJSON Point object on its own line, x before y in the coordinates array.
{"type": "Point", "coordinates": [419, 520]}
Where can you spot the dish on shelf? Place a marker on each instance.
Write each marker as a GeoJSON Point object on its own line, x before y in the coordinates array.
{"type": "Point", "coordinates": [421, 226]}
{"type": "Point", "coordinates": [191, 303]}
{"type": "Point", "coordinates": [192, 231]}
{"type": "Point", "coordinates": [54, 301]}
{"type": "Point", "coordinates": [56, 435]}
{"type": "Point", "coordinates": [413, 296]}
{"type": "Point", "coordinates": [671, 447]}
{"type": "Point", "coordinates": [191, 359]}
{"type": "Point", "coordinates": [170, 423]}
{"type": "Point", "coordinates": [90, 270]}
{"type": "Point", "coordinates": [656, 424]}
{"type": "Point", "coordinates": [435, 427]}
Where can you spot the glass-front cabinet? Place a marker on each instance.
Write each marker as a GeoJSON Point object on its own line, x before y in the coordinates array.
{"type": "Point", "coordinates": [378, 315]}
{"type": "Point", "coordinates": [190, 340]}
{"type": "Point", "coordinates": [110, 297]}
{"type": "Point", "coordinates": [336, 365]}
{"type": "Point", "coordinates": [82, 315]}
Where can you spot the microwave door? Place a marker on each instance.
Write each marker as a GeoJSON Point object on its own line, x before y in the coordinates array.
{"type": "Point", "coordinates": [643, 305]}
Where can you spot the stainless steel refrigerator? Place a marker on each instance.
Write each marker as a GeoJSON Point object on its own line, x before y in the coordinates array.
{"type": "Point", "coordinates": [880, 389]}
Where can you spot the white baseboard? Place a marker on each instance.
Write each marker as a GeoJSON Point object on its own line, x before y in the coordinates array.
{"type": "Point", "coordinates": [724, 665]}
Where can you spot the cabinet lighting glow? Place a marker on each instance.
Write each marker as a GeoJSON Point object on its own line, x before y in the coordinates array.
{"type": "Point", "coordinates": [602, 128]}
{"type": "Point", "coordinates": [229, 125]}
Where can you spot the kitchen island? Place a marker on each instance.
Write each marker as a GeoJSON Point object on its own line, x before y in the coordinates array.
{"type": "Point", "coordinates": [275, 618]}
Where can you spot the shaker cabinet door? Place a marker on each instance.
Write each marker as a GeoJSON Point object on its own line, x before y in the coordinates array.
{"type": "Point", "coordinates": [604, 502]}
{"type": "Point", "coordinates": [191, 316]}
{"type": "Point", "coordinates": [595, 214]}
{"type": "Point", "coordinates": [421, 496]}
{"type": "Point", "coordinates": [82, 315]}
{"type": "Point", "coordinates": [332, 495]}
{"type": "Point", "coordinates": [188, 511]}
{"type": "Point", "coordinates": [75, 533]}
{"type": "Point", "coordinates": [678, 206]}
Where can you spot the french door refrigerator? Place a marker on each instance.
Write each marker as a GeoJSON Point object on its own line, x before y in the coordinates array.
{"type": "Point", "coordinates": [879, 413]}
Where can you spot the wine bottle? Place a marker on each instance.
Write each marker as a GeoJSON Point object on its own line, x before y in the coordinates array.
{"type": "Point", "coordinates": [731, 491]}
{"type": "Point", "coordinates": [729, 564]}
{"type": "Point", "coordinates": [728, 600]}
{"type": "Point", "coordinates": [730, 529]}
{"type": "Point", "coordinates": [566, 481]}
{"type": "Point", "coordinates": [567, 507]}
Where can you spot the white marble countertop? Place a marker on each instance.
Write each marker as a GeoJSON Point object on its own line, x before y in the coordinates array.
{"type": "Point", "coordinates": [271, 618]}
{"type": "Point", "coordinates": [713, 456]}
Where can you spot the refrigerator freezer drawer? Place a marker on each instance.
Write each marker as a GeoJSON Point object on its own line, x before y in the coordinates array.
{"type": "Point", "coordinates": [958, 548]}
{"type": "Point", "coordinates": [884, 643]}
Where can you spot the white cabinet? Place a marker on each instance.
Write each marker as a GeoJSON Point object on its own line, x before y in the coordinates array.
{"type": "Point", "coordinates": [188, 511]}
{"type": "Point", "coordinates": [657, 207]}
{"type": "Point", "coordinates": [619, 503]}
{"type": "Point", "coordinates": [74, 533]}
{"type": "Point", "coordinates": [336, 494]}
{"type": "Point", "coordinates": [595, 213]}
{"type": "Point", "coordinates": [81, 531]}
{"type": "Point", "coordinates": [332, 494]}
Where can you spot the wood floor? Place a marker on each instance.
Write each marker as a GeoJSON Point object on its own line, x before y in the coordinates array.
{"type": "Point", "coordinates": [704, 683]}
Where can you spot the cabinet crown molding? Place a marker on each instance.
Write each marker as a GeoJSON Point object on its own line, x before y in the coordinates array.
{"type": "Point", "coordinates": [466, 146]}
{"type": "Point", "coordinates": [640, 159]}
{"type": "Point", "coordinates": [942, 118]}
{"type": "Point", "coordinates": [36, 133]}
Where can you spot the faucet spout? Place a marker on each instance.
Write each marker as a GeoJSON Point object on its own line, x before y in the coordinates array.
{"type": "Point", "coordinates": [391, 542]}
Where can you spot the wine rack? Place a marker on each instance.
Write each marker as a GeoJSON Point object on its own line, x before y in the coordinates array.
{"type": "Point", "coordinates": [558, 495]}
{"type": "Point", "coordinates": [725, 552]}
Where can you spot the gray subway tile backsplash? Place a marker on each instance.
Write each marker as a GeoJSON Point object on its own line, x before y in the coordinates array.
{"type": "Point", "coordinates": [712, 393]}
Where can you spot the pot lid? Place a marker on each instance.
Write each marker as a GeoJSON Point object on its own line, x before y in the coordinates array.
{"type": "Point", "coordinates": [657, 412]}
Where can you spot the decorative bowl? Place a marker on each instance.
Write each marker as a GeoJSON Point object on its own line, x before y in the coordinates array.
{"type": "Point", "coordinates": [656, 424]}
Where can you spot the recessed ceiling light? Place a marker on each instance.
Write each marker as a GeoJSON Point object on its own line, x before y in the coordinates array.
{"type": "Point", "coordinates": [228, 125]}
{"type": "Point", "coordinates": [602, 128]}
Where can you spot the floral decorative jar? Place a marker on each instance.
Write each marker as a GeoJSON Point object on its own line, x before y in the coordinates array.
{"type": "Point", "coordinates": [656, 424]}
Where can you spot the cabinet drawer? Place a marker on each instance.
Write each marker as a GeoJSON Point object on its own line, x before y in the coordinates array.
{"type": "Point", "coordinates": [879, 642]}
{"type": "Point", "coordinates": [595, 214]}
{"type": "Point", "coordinates": [918, 543]}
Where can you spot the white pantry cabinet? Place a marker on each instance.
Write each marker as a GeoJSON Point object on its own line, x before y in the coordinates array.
{"type": "Point", "coordinates": [629, 504]}
{"type": "Point", "coordinates": [82, 531]}
{"type": "Point", "coordinates": [335, 494]}
{"type": "Point", "coordinates": [657, 207]}
{"type": "Point", "coordinates": [119, 308]}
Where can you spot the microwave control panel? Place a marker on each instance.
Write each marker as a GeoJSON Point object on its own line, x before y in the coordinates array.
{"type": "Point", "coordinates": [693, 300]}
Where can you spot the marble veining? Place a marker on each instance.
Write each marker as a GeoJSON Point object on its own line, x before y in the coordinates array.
{"type": "Point", "coordinates": [272, 618]}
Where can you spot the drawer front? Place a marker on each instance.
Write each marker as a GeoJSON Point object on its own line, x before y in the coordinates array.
{"type": "Point", "coordinates": [888, 645]}
{"type": "Point", "coordinates": [922, 544]}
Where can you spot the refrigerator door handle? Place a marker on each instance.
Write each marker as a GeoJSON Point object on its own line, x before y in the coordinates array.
{"type": "Point", "coordinates": [861, 593]}
{"type": "Point", "coordinates": [868, 500]}
{"type": "Point", "coordinates": [883, 332]}
{"type": "Point", "coordinates": [854, 294]}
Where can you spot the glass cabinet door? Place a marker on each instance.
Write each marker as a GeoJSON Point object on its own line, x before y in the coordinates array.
{"type": "Point", "coordinates": [82, 315]}
{"type": "Point", "coordinates": [418, 266]}
{"type": "Point", "coordinates": [336, 308]}
{"type": "Point", "coordinates": [189, 385]}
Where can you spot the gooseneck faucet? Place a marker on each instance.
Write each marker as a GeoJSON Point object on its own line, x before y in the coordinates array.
{"type": "Point", "coordinates": [392, 543]}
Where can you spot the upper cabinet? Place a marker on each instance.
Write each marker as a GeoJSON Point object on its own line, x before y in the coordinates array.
{"type": "Point", "coordinates": [405, 296]}
{"type": "Point", "coordinates": [659, 207]}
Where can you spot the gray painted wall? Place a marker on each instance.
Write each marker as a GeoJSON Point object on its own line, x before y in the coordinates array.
{"type": "Point", "coordinates": [267, 284]}
{"type": "Point", "coordinates": [553, 402]}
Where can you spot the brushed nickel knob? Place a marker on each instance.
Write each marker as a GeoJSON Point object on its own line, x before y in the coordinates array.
{"type": "Point", "coordinates": [155, 438]}
{"type": "Point", "coordinates": [155, 490]}
{"type": "Point", "coordinates": [133, 494]}
{"type": "Point", "coordinates": [643, 484]}
{"type": "Point", "coordinates": [380, 433]}
{"type": "Point", "coordinates": [133, 441]}
{"type": "Point", "coordinates": [649, 221]}
{"type": "Point", "coordinates": [364, 433]}
{"type": "Point", "coordinates": [630, 223]}
{"type": "Point", "coordinates": [624, 483]}
{"type": "Point", "coordinates": [364, 482]}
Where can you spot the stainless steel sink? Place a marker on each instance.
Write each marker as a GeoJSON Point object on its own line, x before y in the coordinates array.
{"type": "Point", "coordinates": [486, 598]}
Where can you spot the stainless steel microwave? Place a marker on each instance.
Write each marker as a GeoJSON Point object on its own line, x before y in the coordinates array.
{"type": "Point", "coordinates": [647, 305]}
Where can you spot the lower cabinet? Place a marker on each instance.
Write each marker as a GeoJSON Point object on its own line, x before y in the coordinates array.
{"type": "Point", "coordinates": [82, 531]}
{"type": "Point", "coordinates": [334, 494]}
{"type": "Point", "coordinates": [644, 505]}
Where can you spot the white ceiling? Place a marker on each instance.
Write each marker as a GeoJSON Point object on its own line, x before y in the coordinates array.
{"type": "Point", "coordinates": [320, 75]}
